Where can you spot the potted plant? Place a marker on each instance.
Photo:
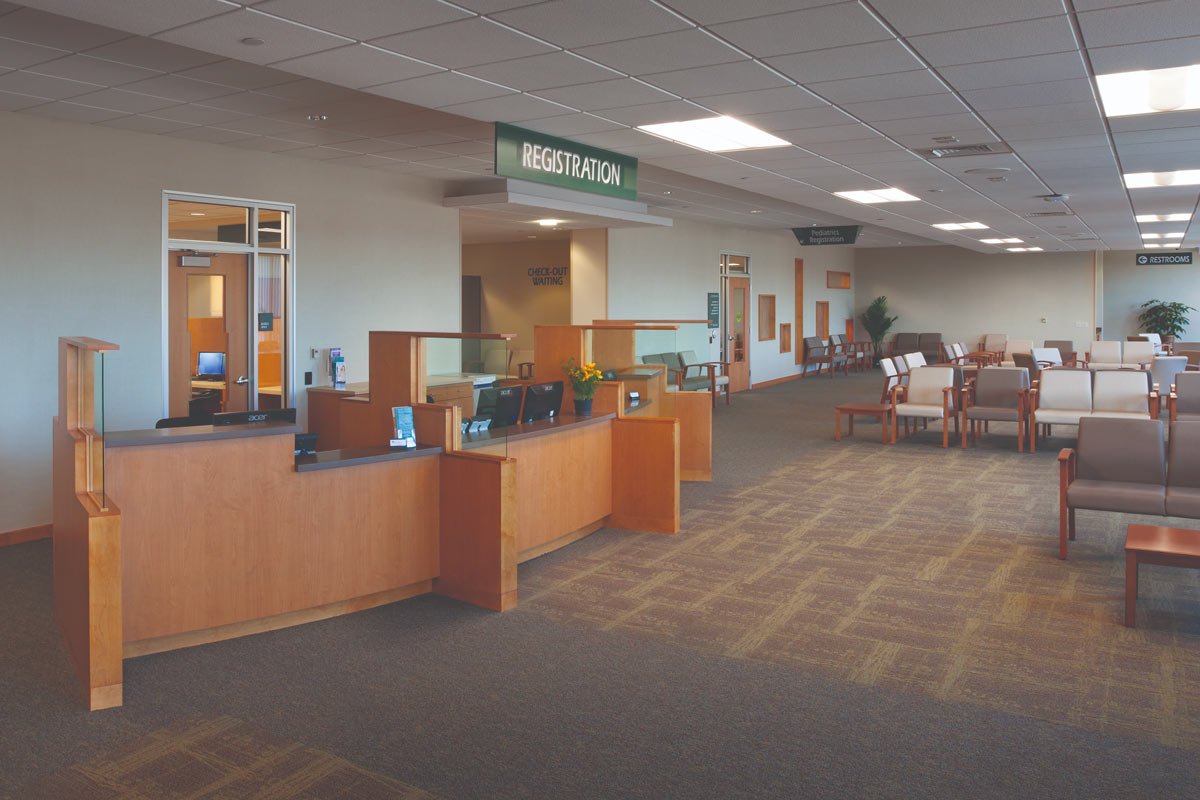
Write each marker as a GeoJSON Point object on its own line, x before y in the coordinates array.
{"type": "Point", "coordinates": [1168, 320]}
{"type": "Point", "coordinates": [876, 322]}
{"type": "Point", "coordinates": [584, 379]}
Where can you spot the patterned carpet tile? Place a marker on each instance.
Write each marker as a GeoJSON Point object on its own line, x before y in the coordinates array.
{"type": "Point", "coordinates": [912, 568]}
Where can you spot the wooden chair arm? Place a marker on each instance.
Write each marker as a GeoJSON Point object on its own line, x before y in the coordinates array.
{"type": "Point", "coordinates": [1033, 399]}
{"type": "Point", "coordinates": [1067, 464]}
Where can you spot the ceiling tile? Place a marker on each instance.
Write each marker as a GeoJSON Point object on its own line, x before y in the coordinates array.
{"type": "Point", "coordinates": [135, 16]}
{"type": "Point", "coordinates": [92, 70]}
{"type": "Point", "coordinates": [832, 133]}
{"type": "Point", "coordinates": [122, 100]}
{"type": "Point", "coordinates": [736, 76]}
{"type": "Point", "coordinates": [784, 98]}
{"type": "Point", "coordinates": [364, 19]}
{"type": "Point", "coordinates": [144, 124]}
{"type": "Point", "coordinates": [807, 29]}
{"type": "Point", "coordinates": [317, 153]}
{"type": "Point", "coordinates": [925, 140]}
{"type": "Point", "coordinates": [51, 30]}
{"type": "Point", "coordinates": [356, 66]}
{"type": "Point", "coordinates": [72, 112]}
{"type": "Point", "coordinates": [44, 85]}
{"type": "Point", "coordinates": [821, 117]}
{"type": "Point", "coordinates": [307, 90]}
{"type": "Point", "coordinates": [153, 54]}
{"type": "Point", "coordinates": [929, 16]}
{"type": "Point", "coordinates": [266, 144]}
{"type": "Point", "coordinates": [1077, 90]}
{"type": "Point", "coordinates": [875, 144]}
{"type": "Point", "coordinates": [15, 55]}
{"type": "Point", "coordinates": [239, 75]}
{"type": "Point", "coordinates": [492, 6]}
{"type": "Point", "coordinates": [202, 134]}
{"type": "Point", "coordinates": [1146, 122]}
{"type": "Point", "coordinates": [880, 87]}
{"type": "Point", "coordinates": [249, 103]}
{"type": "Point", "coordinates": [708, 12]}
{"type": "Point", "coordinates": [1053, 130]}
{"type": "Point", "coordinates": [572, 125]}
{"type": "Point", "coordinates": [180, 89]}
{"type": "Point", "coordinates": [934, 124]}
{"type": "Point", "coordinates": [465, 43]}
{"type": "Point", "coordinates": [1038, 114]}
{"type": "Point", "coordinates": [1145, 22]}
{"type": "Point", "coordinates": [606, 94]}
{"type": "Point", "coordinates": [224, 35]}
{"type": "Point", "coordinates": [578, 23]}
{"type": "Point", "coordinates": [264, 126]}
{"type": "Point", "coordinates": [652, 113]}
{"type": "Point", "coordinates": [441, 89]}
{"type": "Point", "coordinates": [877, 58]}
{"type": "Point", "coordinates": [666, 51]}
{"type": "Point", "coordinates": [314, 135]}
{"type": "Point", "coordinates": [995, 42]}
{"type": "Point", "coordinates": [906, 107]}
{"type": "Point", "coordinates": [545, 71]}
{"type": "Point", "coordinates": [509, 108]}
{"type": "Point", "coordinates": [14, 101]}
{"type": "Point", "coordinates": [363, 161]}
{"type": "Point", "coordinates": [197, 115]}
{"type": "Point", "coordinates": [1147, 55]}
{"type": "Point", "coordinates": [1015, 71]}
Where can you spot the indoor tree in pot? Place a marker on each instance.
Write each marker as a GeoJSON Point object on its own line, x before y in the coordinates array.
{"type": "Point", "coordinates": [876, 322]}
{"type": "Point", "coordinates": [1168, 320]}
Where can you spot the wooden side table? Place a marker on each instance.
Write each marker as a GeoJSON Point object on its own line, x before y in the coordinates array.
{"type": "Point", "coordinates": [1155, 544]}
{"type": "Point", "coordinates": [881, 411]}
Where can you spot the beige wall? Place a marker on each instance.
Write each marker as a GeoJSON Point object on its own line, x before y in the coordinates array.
{"type": "Point", "coordinates": [512, 303]}
{"type": "Point", "coordinates": [666, 273]}
{"type": "Point", "coordinates": [81, 226]}
{"type": "Point", "coordinates": [589, 276]}
{"type": "Point", "coordinates": [1127, 286]}
{"type": "Point", "coordinates": [963, 294]}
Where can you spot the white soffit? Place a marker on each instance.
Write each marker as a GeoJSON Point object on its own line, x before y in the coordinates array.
{"type": "Point", "coordinates": [535, 200]}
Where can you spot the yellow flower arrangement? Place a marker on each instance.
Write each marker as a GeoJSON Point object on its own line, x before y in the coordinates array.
{"type": "Point", "coordinates": [583, 377]}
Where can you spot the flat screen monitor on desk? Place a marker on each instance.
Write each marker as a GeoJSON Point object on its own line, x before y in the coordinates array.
{"type": "Point", "coordinates": [210, 366]}
{"type": "Point", "coordinates": [501, 405]}
{"type": "Point", "coordinates": [248, 417]}
{"type": "Point", "coordinates": [542, 401]}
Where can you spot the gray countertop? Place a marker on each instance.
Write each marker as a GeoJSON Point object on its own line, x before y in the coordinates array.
{"type": "Point", "coordinates": [197, 433]}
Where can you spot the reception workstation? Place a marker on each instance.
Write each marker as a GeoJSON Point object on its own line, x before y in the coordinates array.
{"type": "Point", "coordinates": [174, 537]}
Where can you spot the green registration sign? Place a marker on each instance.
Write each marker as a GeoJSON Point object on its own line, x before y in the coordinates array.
{"type": "Point", "coordinates": [532, 156]}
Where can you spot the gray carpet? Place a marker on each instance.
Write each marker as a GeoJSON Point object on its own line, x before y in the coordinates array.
{"type": "Point", "coordinates": [464, 703]}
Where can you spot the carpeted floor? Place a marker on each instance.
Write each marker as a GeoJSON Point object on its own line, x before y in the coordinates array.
{"type": "Point", "coordinates": [837, 620]}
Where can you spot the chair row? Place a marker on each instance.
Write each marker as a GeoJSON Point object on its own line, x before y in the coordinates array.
{"type": "Point", "coordinates": [687, 373]}
{"type": "Point", "coordinates": [928, 344]}
{"type": "Point", "coordinates": [838, 353]}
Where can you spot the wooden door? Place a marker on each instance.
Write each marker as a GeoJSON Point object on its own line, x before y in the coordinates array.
{"type": "Point", "coordinates": [799, 327]}
{"type": "Point", "coordinates": [823, 319]}
{"type": "Point", "coordinates": [208, 310]}
{"type": "Point", "coordinates": [737, 326]}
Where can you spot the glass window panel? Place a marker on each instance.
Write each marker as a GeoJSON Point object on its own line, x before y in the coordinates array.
{"type": "Point", "coordinates": [207, 222]}
{"type": "Point", "coordinates": [272, 228]}
{"type": "Point", "coordinates": [270, 324]}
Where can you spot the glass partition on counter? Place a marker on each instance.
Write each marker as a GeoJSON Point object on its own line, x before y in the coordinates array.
{"type": "Point", "coordinates": [471, 371]}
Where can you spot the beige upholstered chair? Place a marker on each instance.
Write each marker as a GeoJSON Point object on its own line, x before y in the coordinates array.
{"type": "Point", "coordinates": [914, 360]}
{"type": "Point", "coordinates": [1063, 397]}
{"type": "Point", "coordinates": [1135, 354]}
{"type": "Point", "coordinates": [1117, 465]}
{"type": "Point", "coordinates": [996, 394]}
{"type": "Point", "coordinates": [1183, 470]}
{"type": "Point", "coordinates": [928, 395]}
{"type": "Point", "coordinates": [891, 378]}
{"type": "Point", "coordinates": [1047, 356]}
{"type": "Point", "coordinates": [1016, 346]}
{"type": "Point", "coordinates": [1065, 348]}
{"type": "Point", "coordinates": [1152, 338]}
{"type": "Point", "coordinates": [1105, 355]}
{"type": "Point", "coordinates": [1184, 401]}
{"type": "Point", "coordinates": [709, 376]}
{"type": "Point", "coordinates": [994, 343]}
{"type": "Point", "coordinates": [1123, 393]}
{"type": "Point", "coordinates": [1163, 371]}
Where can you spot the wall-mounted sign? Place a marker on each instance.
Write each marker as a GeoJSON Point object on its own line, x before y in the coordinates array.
{"type": "Point", "coordinates": [548, 276]}
{"type": "Point", "coordinates": [266, 321]}
{"type": "Point", "coordinates": [714, 309]}
{"type": "Point", "coordinates": [836, 234]}
{"type": "Point", "coordinates": [532, 156]}
{"type": "Point", "coordinates": [1149, 259]}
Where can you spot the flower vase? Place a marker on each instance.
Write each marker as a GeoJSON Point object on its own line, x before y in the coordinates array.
{"type": "Point", "coordinates": [583, 407]}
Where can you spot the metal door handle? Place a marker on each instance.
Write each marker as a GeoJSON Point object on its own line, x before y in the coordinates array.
{"type": "Point", "coordinates": [242, 380]}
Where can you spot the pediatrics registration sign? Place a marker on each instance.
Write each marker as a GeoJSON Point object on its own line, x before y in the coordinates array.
{"type": "Point", "coordinates": [531, 156]}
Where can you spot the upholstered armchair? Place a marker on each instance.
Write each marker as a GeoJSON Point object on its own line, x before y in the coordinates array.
{"type": "Point", "coordinates": [1183, 404]}
{"type": "Point", "coordinates": [930, 345]}
{"type": "Point", "coordinates": [1065, 348]}
{"type": "Point", "coordinates": [996, 394]}
{"type": "Point", "coordinates": [1164, 370]}
{"type": "Point", "coordinates": [928, 395]}
{"type": "Point", "coordinates": [1117, 465]}
{"type": "Point", "coordinates": [1015, 346]}
{"type": "Point", "coordinates": [1137, 354]}
{"type": "Point", "coordinates": [1124, 393]}
{"type": "Point", "coordinates": [994, 343]}
{"type": "Point", "coordinates": [914, 360]}
{"type": "Point", "coordinates": [1062, 397]}
{"type": "Point", "coordinates": [1104, 355]}
{"type": "Point", "coordinates": [905, 343]}
{"type": "Point", "coordinates": [891, 378]}
{"type": "Point", "coordinates": [708, 376]}
{"type": "Point", "coordinates": [1183, 470]}
{"type": "Point", "coordinates": [818, 354]}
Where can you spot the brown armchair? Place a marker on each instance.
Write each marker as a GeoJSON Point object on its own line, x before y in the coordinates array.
{"type": "Point", "coordinates": [711, 376]}
{"type": "Point", "coordinates": [996, 394]}
{"type": "Point", "coordinates": [1184, 401]}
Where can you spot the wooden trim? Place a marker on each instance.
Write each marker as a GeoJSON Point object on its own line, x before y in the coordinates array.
{"type": "Point", "coordinates": [785, 337]}
{"type": "Point", "coordinates": [777, 381]}
{"type": "Point", "coordinates": [88, 343]}
{"type": "Point", "coordinates": [645, 484]}
{"type": "Point", "coordinates": [450, 335]}
{"type": "Point", "coordinates": [562, 541]}
{"type": "Point", "coordinates": [766, 317]}
{"type": "Point", "coordinates": [22, 535]}
{"type": "Point", "coordinates": [478, 524]}
{"type": "Point", "coordinates": [162, 644]}
{"type": "Point", "coordinates": [641, 322]}
{"type": "Point", "coordinates": [798, 266]}
{"type": "Point", "coordinates": [837, 280]}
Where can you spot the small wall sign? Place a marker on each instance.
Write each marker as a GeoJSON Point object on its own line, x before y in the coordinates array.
{"type": "Point", "coordinates": [714, 309]}
{"type": "Point", "coordinates": [266, 321]}
{"type": "Point", "coordinates": [1150, 259]}
{"type": "Point", "coordinates": [548, 276]}
{"type": "Point", "coordinates": [835, 234]}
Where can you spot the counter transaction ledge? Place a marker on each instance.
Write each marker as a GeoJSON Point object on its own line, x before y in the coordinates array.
{"type": "Point", "coordinates": [182, 536]}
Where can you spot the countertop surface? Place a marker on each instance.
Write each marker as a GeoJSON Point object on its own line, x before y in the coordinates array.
{"type": "Point", "coordinates": [197, 433]}
{"type": "Point", "coordinates": [529, 430]}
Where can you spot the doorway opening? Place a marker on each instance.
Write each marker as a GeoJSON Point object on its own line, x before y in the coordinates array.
{"type": "Point", "coordinates": [735, 341]}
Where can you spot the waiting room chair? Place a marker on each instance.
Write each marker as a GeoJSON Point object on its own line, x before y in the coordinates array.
{"type": "Point", "coordinates": [843, 352]}
{"type": "Point", "coordinates": [1163, 372]}
{"type": "Point", "coordinates": [1015, 346]}
{"type": "Point", "coordinates": [1137, 354]}
{"type": "Point", "coordinates": [1152, 338]}
{"type": "Point", "coordinates": [670, 362]}
{"type": "Point", "coordinates": [1047, 357]}
{"type": "Point", "coordinates": [1183, 403]}
{"type": "Point", "coordinates": [995, 343]}
{"type": "Point", "coordinates": [1183, 470]}
{"type": "Point", "coordinates": [1065, 348]}
{"type": "Point", "coordinates": [913, 360]}
{"type": "Point", "coordinates": [1104, 355]}
{"type": "Point", "coordinates": [1026, 362]}
{"type": "Point", "coordinates": [891, 378]}
{"type": "Point", "coordinates": [905, 343]}
{"type": "Point", "coordinates": [930, 345]}
{"type": "Point", "coordinates": [1116, 465]}
{"type": "Point", "coordinates": [1124, 393]}
{"type": "Point", "coordinates": [818, 354]}
{"type": "Point", "coordinates": [709, 376]}
{"type": "Point", "coordinates": [996, 394]}
{"type": "Point", "coordinates": [1062, 397]}
{"type": "Point", "coordinates": [928, 395]}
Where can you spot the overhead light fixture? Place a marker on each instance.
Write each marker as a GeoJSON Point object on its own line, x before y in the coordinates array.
{"type": "Point", "coordinates": [1176, 235]}
{"type": "Point", "coordinates": [1180, 177]}
{"type": "Point", "coordinates": [317, 117]}
{"type": "Point", "coordinates": [715, 134]}
{"type": "Point", "coordinates": [755, 211]}
{"type": "Point", "coordinates": [1023, 249]}
{"type": "Point", "coordinates": [959, 226]}
{"type": "Point", "coordinates": [548, 223]}
{"type": "Point", "coordinates": [196, 214]}
{"type": "Point", "coordinates": [253, 41]}
{"type": "Point", "coordinates": [878, 196]}
{"type": "Point", "coordinates": [1150, 91]}
{"type": "Point", "coordinates": [1010, 240]}
{"type": "Point", "coordinates": [1163, 217]}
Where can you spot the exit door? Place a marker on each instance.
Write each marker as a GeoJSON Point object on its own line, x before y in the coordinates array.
{"type": "Point", "coordinates": [737, 325]}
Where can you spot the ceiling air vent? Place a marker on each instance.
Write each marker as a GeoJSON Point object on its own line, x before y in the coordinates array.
{"type": "Point", "coordinates": [1050, 214]}
{"type": "Point", "coordinates": [954, 151]}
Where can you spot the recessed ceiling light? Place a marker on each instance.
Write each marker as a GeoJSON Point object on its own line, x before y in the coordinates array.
{"type": "Point", "coordinates": [253, 41]}
{"type": "Point", "coordinates": [196, 214]}
{"type": "Point", "coordinates": [715, 134]}
{"type": "Point", "coordinates": [1151, 245]}
{"type": "Point", "coordinates": [548, 223]}
{"type": "Point", "coordinates": [959, 226]}
{"type": "Point", "coordinates": [668, 191]}
{"type": "Point", "coordinates": [1011, 240]}
{"type": "Point", "coordinates": [1150, 91]}
{"type": "Point", "coordinates": [1142, 180]}
{"type": "Point", "coordinates": [1176, 235]}
{"type": "Point", "coordinates": [878, 196]}
{"type": "Point", "coordinates": [755, 211]}
{"type": "Point", "coordinates": [1163, 217]}
{"type": "Point", "coordinates": [1023, 249]}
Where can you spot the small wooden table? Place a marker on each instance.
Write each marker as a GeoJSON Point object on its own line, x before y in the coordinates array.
{"type": "Point", "coordinates": [1155, 544]}
{"type": "Point", "coordinates": [881, 411]}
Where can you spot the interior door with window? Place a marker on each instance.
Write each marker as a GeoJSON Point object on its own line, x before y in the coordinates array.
{"type": "Point", "coordinates": [208, 336]}
{"type": "Point", "coordinates": [737, 326]}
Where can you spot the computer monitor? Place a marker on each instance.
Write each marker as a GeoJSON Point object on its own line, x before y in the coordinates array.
{"type": "Point", "coordinates": [542, 401]}
{"type": "Point", "coordinates": [249, 417]}
{"type": "Point", "coordinates": [210, 364]}
{"type": "Point", "coordinates": [502, 405]}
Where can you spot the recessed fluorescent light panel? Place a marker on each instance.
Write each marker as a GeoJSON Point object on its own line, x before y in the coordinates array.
{"type": "Point", "coordinates": [1150, 91]}
{"type": "Point", "coordinates": [715, 134]}
{"type": "Point", "coordinates": [1144, 180]}
{"type": "Point", "coordinates": [1163, 217]}
{"type": "Point", "coordinates": [1023, 249]}
{"type": "Point", "coordinates": [1012, 240]}
{"type": "Point", "coordinates": [1178, 235]}
{"type": "Point", "coordinates": [959, 226]}
{"type": "Point", "coordinates": [548, 223]}
{"type": "Point", "coordinates": [878, 196]}
{"type": "Point", "coordinates": [1164, 244]}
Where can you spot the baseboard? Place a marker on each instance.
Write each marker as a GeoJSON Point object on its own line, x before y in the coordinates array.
{"type": "Point", "coordinates": [22, 535]}
{"type": "Point", "coordinates": [561, 541]}
{"type": "Point", "coordinates": [777, 381]}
